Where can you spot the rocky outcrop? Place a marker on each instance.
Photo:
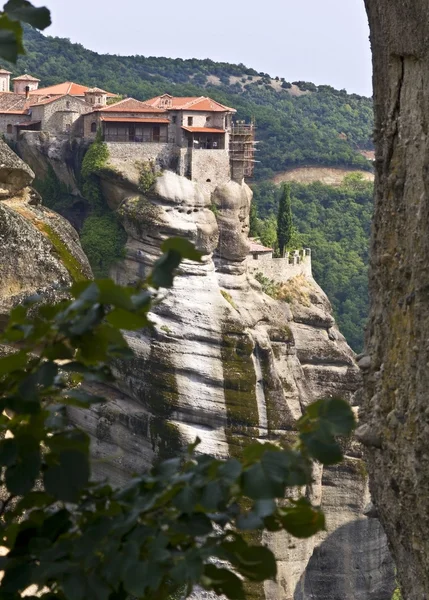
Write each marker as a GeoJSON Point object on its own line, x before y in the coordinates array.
{"type": "Point", "coordinates": [225, 362]}
{"type": "Point", "coordinates": [39, 250]}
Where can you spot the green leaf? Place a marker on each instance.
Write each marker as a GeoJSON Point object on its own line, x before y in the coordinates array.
{"type": "Point", "coordinates": [123, 319]}
{"type": "Point", "coordinates": [249, 521]}
{"type": "Point", "coordinates": [322, 421]}
{"type": "Point", "coordinates": [66, 479]}
{"type": "Point", "coordinates": [321, 445]}
{"type": "Point", "coordinates": [163, 269]}
{"type": "Point", "coordinates": [223, 581]}
{"type": "Point", "coordinates": [16, 361]}
{"type": "Point", "coordinates": [334, 411]}
{"type": "Point", "coordinates": [117, 295]}
{"type": "Point", "coordinates": [80, 398]}
{"type": "Point", "coordinates": [186, 499]}
{"type": "Point", "coordinates": [136, 579]}
{"type": "Point", "coordinates": [8, 451]}
{"type": "Point", "coordinates": [302, 520]}
{"type": "Point", "coordinates": [257, 484]}
{"type": "Point", "coordinates": [183, 247]}
{"type": "Point", "coordinates": [74, 586]}
{"type": "Point", "coordinates": [21, 10]}
{"type": "Point", "coordinates": [254, 562]}
{"type": "Point", "coordinates": [10, 38]}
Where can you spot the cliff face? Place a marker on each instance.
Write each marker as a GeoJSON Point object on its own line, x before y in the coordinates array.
{"type": "Point", "coordinates": [228, 363]}
{"type": "Point", "coordinates": [39, 250]}
{"type": "Point", "coordinates": [223, 360]}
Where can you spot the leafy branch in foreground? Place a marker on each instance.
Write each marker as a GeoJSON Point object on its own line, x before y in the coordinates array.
{"type": "Point", "coordinates": [184, 523]}
{"type": "Point", "coordinates": [16, 12]}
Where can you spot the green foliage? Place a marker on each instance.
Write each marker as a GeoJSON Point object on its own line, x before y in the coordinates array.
{"type": "Point", "coordinates": [54, 192]}
{"type": "Point", "coordinates": [147, 176]}
{"type": "Point", "coordinates": [269, 286]}
{"type": "Point", "coordinates": [183, 523]}
{"type": "Point", "coordinates": [14, 14]}
{"type": "Point", "coordinates": [103, 239]}
{"type": "Point", "coordinates": [323, 127]}
{"type": "Point", "coordinates": [284, 219]}
{"type": "Point", "coordinates": [335, 223]}
{"type": "Point", "coordinates": [94, 161]}
{"type": "Point", "coordinates": [228, 298]}
{"type": "Point", "coordinates": [397, 594]}
{"type": "Point", "coordinates": [102, 236]}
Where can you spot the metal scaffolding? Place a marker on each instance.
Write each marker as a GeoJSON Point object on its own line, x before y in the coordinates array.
{"type": "Point", "coordinates": [242, 150]}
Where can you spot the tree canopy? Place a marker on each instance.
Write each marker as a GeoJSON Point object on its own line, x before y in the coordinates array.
{"type": "Point", "coordinates": [335, 223]}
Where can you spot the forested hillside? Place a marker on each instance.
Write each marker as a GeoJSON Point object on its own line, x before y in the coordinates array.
{"type": "Point", "coordinates": [334, 222]}
{"type": "Point", "coordinates": [297, 124]}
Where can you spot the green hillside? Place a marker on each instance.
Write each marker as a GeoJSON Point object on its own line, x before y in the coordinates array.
{"type": "Point", "coordinates": [319, 125]}
{"type": "Point", "coordinates": [297, 124]}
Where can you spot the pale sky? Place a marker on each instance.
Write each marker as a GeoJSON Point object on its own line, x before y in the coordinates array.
{"type": "Point", "coordinates": [323, 41]}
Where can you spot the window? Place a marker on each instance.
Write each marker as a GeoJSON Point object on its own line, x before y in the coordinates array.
{"type": "Point", "coordinates": [93, 127]}
{"type": "Point", "coordinates": [208, 119]}
{"type": "Point", "coordinates": [9, 128]}
{"type": "Point", "coordinates": [226, 122]}
{"type": "Point", "coordinates": [68, 104]}
{"type": "Point", "coordinates": [190, 121]}
{"type": "Point", "coordinates": [174, 120]}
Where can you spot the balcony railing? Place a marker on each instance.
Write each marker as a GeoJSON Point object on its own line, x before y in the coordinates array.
{"type": "Point", "coordinates": [138, 139]}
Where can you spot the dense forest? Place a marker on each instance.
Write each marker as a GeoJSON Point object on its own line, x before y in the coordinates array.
{"type": "Point", "coordinates": [334, 222]}
{"type": "Point", "coordinates": [297, 123]}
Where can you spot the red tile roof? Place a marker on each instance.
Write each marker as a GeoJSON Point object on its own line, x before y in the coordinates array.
{"type": "Point", "coordinates": [203, 130]}
{"type": "Point", "coordinates": [4, 72]}
{"type": "Point", "coordinates": [257, 247]}
{"type": "Point", "coordinates": [133, 120]}
{"type": "Point", "coordinates": [130, 105]}
{"type": "Point", "coordinates": [95, 90]}
{"type": "Point", "coordinates": [67, 87]}
{"type": "Point", "coordinates": [13, 104]}
{"type": "Point", "coordinates": [41, 100]}
{"type": "Point", "coordinates": [202, 103]}
{"type": "Point", "coordinates": [25, 78]}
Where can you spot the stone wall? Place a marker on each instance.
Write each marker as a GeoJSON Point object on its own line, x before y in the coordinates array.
{"type": "Point", "coordinates": [58, 114]}
{"type": "Point", "coordinates": [165, 156]}
{"type": "Point", "coordinates": [210, 168]}
{"type": "Point", "coordinates": [10, 119]}
{"type": "Point", "coordinates": [282, 269]}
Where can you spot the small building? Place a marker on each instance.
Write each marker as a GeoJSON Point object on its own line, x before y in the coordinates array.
{"type": "Point", "coordinates": [57, 114]}
{"type": "Point", "coordinates": [4, 80]}
{"type": "Point", "coordinates": [69, 88]}
{"type": "Point", "coordinates": [13, 111]}
{"type": "Point", "coordinates": [128, 120]}
{"type": "Point", "coordinates": [258, 251]}
{"type": "Point", "coordinates": [196, 122]}
{"type": "Point", "coordinates": [24, 84]}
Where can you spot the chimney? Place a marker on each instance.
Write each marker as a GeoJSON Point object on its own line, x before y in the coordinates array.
{"type": "Point", "coordinates": [27, 91]}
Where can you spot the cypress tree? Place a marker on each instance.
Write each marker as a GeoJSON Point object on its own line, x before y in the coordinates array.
{"type": "Point", "coordinates": [284, 219]}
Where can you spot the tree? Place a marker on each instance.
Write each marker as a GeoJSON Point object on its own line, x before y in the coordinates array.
{"type": "Point", "coordinates": [284, 219]}
{"type": "Point", "coordinates": [396, 368]}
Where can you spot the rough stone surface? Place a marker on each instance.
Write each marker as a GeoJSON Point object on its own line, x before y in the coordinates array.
{"type": "Point", "coordinates": [39, 250]}
{"type": "Point", "coordinates": [15, 174]}
{"type": "Point", "coordinates": [228, 363]}
{"type": "Point", "coordinates": [397, 382]}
